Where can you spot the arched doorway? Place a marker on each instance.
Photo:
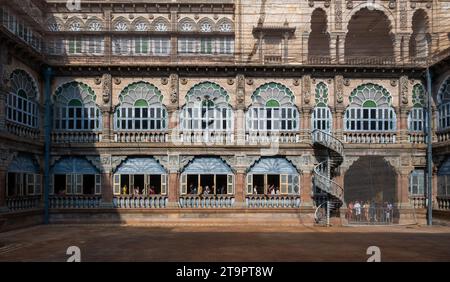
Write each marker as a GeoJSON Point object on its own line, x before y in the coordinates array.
{"type": "Point", "coordinates": [370, 179]}
{"type": "Point", "coordinates": [369, 38]}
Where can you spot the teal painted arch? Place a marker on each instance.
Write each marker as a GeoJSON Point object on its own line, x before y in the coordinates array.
{"type": "Point", "coordinates": [266, 94]}
{"type": "Point", "coordinates": [444, 92]}
{"type": "Point", "coordinates": [272, 165]}
{"type": "Point", "coordinates": [207, 165]}
{"type": "Point", "coordinates": [207, 94]}
{"type": "Point", "coordinates": [135, 93]}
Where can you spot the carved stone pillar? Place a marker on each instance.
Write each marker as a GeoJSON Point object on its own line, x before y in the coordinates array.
{"type": "Point", "coordinates": [341, 48]}
{"type": "Point", "coordinates": [405, 48]}
{"type": "Point", "coordinates": [403, 187]}
{"type": "Point", "coordinates": [306, 194]}
{"type": "Point", "coordinates": [106, 108]}
{"type": "Point", "coordinates": [174, 191]}
{"type": "Point", "coordinates": [305, 39]}
{"type": "Point", "coordinates": [397, 41]}
{"type": "Point", "coordinates": [334, 48]}
{"type": "Point", "coordinates": [239, 188]}
{"type": "Point", "coordinates": [306, 123]}
{"type": "Point", "coordinates": [403, 125]}
{"type": "Point", "coordinates": [434, 123]}
{"type": "Point", "coordinates": [107, 189]}
{"type": "Point", "coordinates": [239, 128]}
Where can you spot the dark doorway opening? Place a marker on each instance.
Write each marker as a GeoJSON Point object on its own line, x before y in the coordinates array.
{"type": "Point", "coordinates": [258, 184]}
{"type": "Point", "coordinates": [88, 184]}
{"type": "Point", "coordinates": [221, 184]}
{"type": "Point", "coordinates": [59, 184]}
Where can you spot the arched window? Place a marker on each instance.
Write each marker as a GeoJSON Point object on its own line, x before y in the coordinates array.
{"type": "Point", "coordinates": [416, 117]}
{"type": "Point", "coordinates": [207, 109]}
{"type": "Point", "coordinates": [21, 102]}
{"type": "Point", "coordinates": [141, 108]}
{"type": "Point", "coordinates": [370, 109]}
{"type": "Point", "coordinates": [272, 109]}
{"type": "Point", "coordinates": [321, 117]}
{"type": "Point", "coordinates": [444, 105]}
{"type": "Point", "coordinates": [75, 108]}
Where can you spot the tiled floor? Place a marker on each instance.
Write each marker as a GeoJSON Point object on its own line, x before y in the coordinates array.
{"type": "Point", "coordinates": [225, 243]}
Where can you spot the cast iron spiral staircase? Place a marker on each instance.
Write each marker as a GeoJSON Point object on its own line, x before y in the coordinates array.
{"type": "Point", "coordinates": [333, 193]}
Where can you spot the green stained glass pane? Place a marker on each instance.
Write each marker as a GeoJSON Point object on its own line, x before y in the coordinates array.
{"type": "Point", "coordinates": [272, 103]}
{"type": "Point", "coordinates": [208, 104]}
{"type": "Point", "coordinates": [22, 93]}
{"type": "Point", "coordinates": [370, 104]}
{"type": "Point", "coordinates": [75, 103]}
{"type": "Point", "coordinates": [141, 103]}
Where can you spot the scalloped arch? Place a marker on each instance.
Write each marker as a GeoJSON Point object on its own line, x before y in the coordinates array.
{"type": "Point", "coordinates": [210, 91]}
{"type": "Point", "coordinates": [373, 6]}
{"type": "Point", "coordinates": [370, 93]}
{"type": "Point", "coordinates": [22, 80]}
{"type": "Point", "coordinates": [273, 91]}
{"type": "Point", "coordinates": [444, 91]}
{"type": "Point", "coordinates": [140, 90]}
{"type": "Point", "coordinates": [75, 90]}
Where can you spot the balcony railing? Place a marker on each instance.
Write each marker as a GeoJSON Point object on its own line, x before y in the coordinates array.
{"type": "Point", "coordinates": [140, 136]}
{"type": "Point", "coordinates": [275, 59]}
{"type": "Point", "coordinates": [319, 60]}
{"type": "Point", "coordinates": [22, 130]}
{"type": "Point", "coordinates": [22, 202]}
{"type": "Point", "coordinates": [76, 136]}
{"type": "Point", "coordinates": [443, 136]}
{"type": "Point", "coordinates": [417, 137]}
{"type": "Point", "coordinates": [369, 60]}
{"type": "Point", "coordinates": [272, 201]}
{"type": "Point", "coordinates": [264, 137]}
{"type": "Point", "coordinates": [370, 137]}
{"type": "Point", "coordinates": [74, 202]}
{"type": "Point", "coordinates": [210, 201]}
{"type": "Point", "coordinates": [418, 201]}
{"type": "Point", "coordinates": [212, 137]}
{"type": "Point", "coordinates": [140, 202]}
{"type": "Point", "coordinates": [443, 202]}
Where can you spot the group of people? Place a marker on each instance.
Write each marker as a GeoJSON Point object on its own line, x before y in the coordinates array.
{"type": "Point", "coordinates": [193, 190]}
{"type": "Point", "coordinates": [365, 211]}
{"type": "Point", "coordinates": [137, 191]}
{"type": "Point", "coordinates": [272, 190]}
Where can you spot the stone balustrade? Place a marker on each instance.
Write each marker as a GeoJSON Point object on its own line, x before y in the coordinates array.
{"type": "Point", "coordinates": [272, 201]}
{"type": "Point", "coordinates": [22, 130]}
{"type": "Point", "coordinates": [74, 202]}
{"type": "Point", "coordinates": [443, 203]}
{"type": "Point", "coordinates": [370, 137]}
{"type": "Point", "coordinates": [140, 202]}
{"type": "Point", "coordinates": [76, 136]}
{"type": "Point", "coordinates": [197, 137]}
{"type": "Point", "coordinates": [443, 136]}
{"type": "Point", "coordinates": [141, 136]}
{"type": "Point", "coordinates": [261, 138]}
{"type": "Point", "coordinates": [23, 202]}
{"type": "Point", "coordinates": [418, 201]}
{"type": "Point", "coordinates": [210, 201]}
{"type": "Point", "coordinates": [417, 137]}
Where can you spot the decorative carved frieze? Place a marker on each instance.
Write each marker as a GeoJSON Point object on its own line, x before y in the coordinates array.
{"type": "Point", "coordinates": [338, 14]}
{"type": "Point", "coordinates": [174, 88]}
{"type": "Point", "coordinates": [306, 89]}
{"type": "Point", "coordinates": [240, 90]}
{"type": "Point", "coordinates": [403, 14]}
{"type": "Point", "coordinates": [106, 88]}
{"type": "Point", "coordinates": [339, 88]}
{"type": "Point", "coordinates": [404, 90]}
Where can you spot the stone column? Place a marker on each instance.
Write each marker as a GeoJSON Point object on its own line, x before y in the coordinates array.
{"type": "Point", "coordinates": [398, 48]}
{"type": "Point", "coordinates": [107, 133]}
{"type": "Point", "coordinates": [434, 123]}
{"type": "Point", "coordinates": [305, 39]}
{"type": "Point", "coordinates": [173, 38]}
{"type": "Point", "coordinates": [403, 125]}
{"type": "Point", "coordinates": [434, 183]}
{"type": "Point", "coordinates": [3, 175]}
{"type": "Point", "coordinates": [239, 127]}
{"type": "Point", "coordinates": [239, 188]}
{"type": "Point", "coordinates": [405, 48]}
{"type": "Point", "coordinates": [174, 188]}
{"type": "Point", "coordinates": [341, 48]}
{"type": "Point", "coordinates": [306, 193]}
{"type": "Point", "coordinates": [333, 48]}
{"type": "Point", "coordinates": [107, 190]}
{"type": "Point", "coordinates": [306, 123]}
{"type": "Point", "coordinates": [338, 121]}
{"type": "Point", "coordinates": [403, 187]}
